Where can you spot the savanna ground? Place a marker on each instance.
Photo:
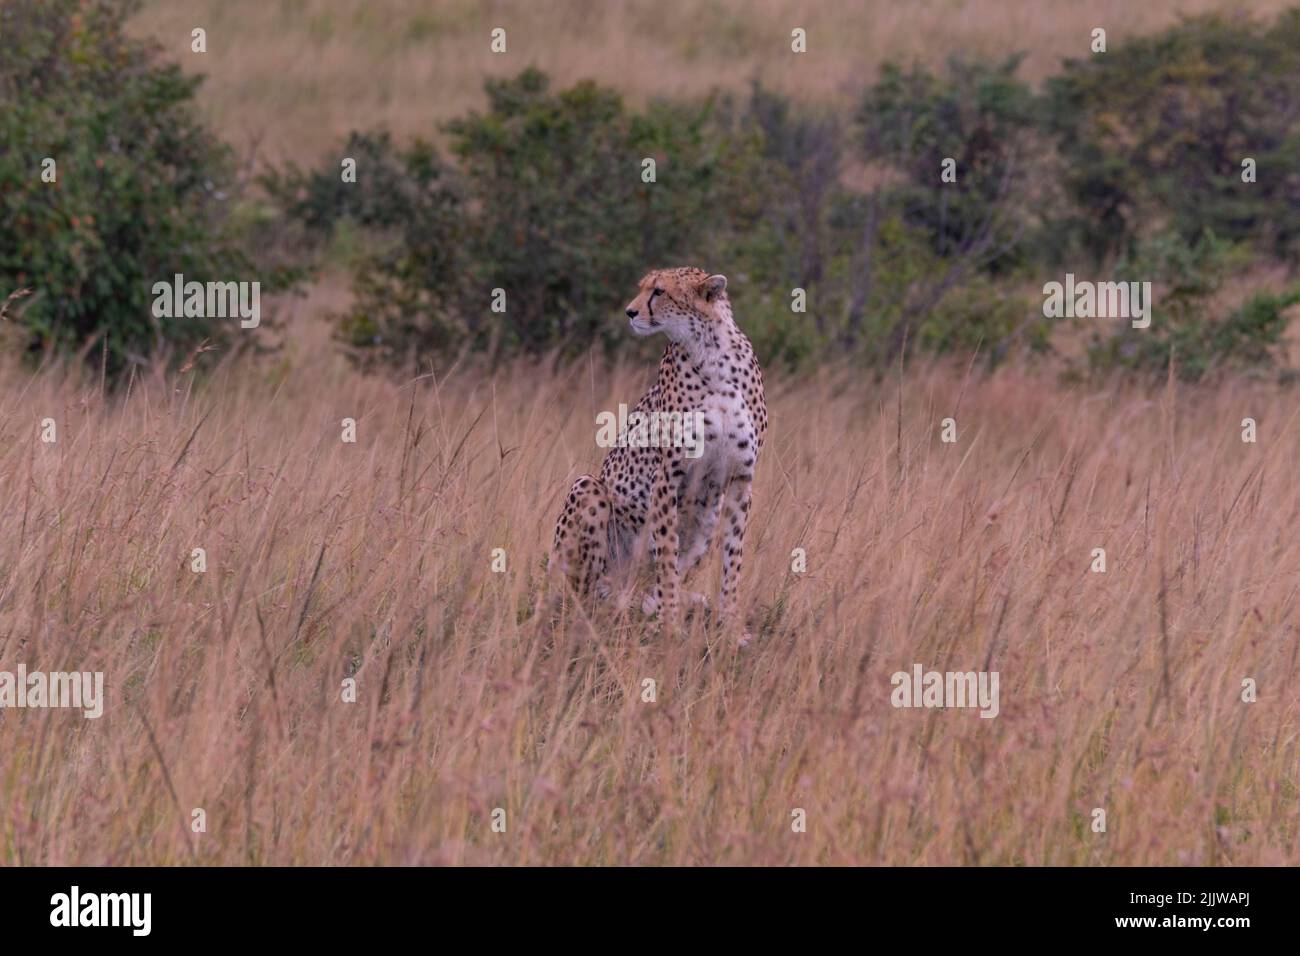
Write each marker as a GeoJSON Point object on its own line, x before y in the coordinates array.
{"type": "Point", "coordinates": [1119, 690]}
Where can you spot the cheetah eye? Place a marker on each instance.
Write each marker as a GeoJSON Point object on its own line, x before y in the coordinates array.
{"type": "Point", "coordinates": [656, 291]}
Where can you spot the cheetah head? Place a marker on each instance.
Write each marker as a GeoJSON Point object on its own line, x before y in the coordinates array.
{"type": "Point", "coordinates": [675, 301]}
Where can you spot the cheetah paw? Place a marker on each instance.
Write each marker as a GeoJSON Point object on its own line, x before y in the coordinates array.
{"type": "Point", "coordinates": [696, 599]}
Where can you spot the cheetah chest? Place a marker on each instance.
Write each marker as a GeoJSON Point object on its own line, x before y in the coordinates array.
{"type": "Point", "coordinates": [727, 437]}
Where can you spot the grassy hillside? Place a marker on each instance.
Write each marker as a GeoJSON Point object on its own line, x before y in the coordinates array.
{"type": "Point", "coordinates": [1119, 690]}
{"type": "Point", "coordinates": [292, 77]}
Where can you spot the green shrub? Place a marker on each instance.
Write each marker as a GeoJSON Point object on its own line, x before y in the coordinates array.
{"type": "Point", "coordinates": [546, 202]}
{"type": "Point", "coordinates": [142, 191]}
{"type": "Point", "coordinates": [984, 119]}
{"type": "Point", "coordinates": [564, 221]}
{"type": "Point", "coordinates": [1186, 325]}
{"type": "Point", "coordinates": [391, 188]}
{"type": "Point", "coordinates": [1153, 134]}
{"type": "Point", "coordinates": [411, 282]}
{"type": "Point", "coordinates": [1133, 156]}
{"type": "Point", "coordinates": [542, 197]}
{"type": "Point", "coordinates": [980, 316]}
{"type": "Point", "coordinates": [782, 222]}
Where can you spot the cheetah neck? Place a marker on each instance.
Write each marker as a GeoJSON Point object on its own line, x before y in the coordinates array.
{"type": "Point", "coordinates": [712, 340]}
{"type": "Point", "coordinates": [714, 346]}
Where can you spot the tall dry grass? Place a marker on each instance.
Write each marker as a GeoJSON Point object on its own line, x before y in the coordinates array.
{"type": "Point", "coordinates": [293, 77]}
{"type": "Point", "coordinates": [1119, 691]}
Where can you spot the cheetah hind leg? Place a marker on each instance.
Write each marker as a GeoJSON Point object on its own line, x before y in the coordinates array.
{"type": "Point", "coordinates": [581, 549]}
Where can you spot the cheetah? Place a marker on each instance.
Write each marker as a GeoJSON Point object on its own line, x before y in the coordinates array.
{"type": "Point", "coordinates": [675, 496]}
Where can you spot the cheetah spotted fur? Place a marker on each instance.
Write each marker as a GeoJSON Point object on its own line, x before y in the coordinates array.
{"type": "Point", "coordinates": [674, 500]}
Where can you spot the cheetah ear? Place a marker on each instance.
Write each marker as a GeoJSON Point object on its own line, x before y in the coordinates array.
{"type": "Point", "coordinates": [712, 287]}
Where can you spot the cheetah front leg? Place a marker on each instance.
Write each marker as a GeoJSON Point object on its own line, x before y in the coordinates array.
{"type": "Point", "coordinates": [695, 536]}
{"type": "Point", "coordinates": [706, 506]}
{"type": "Point", "coordinates": [662, 520]}
{"type": "Point", "coordinates": [735, 517]}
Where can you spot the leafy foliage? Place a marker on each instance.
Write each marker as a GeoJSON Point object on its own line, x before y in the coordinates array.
{"type": "Point", "coordinates": [143, 191]}
{"type": "Point", "coordinates": [980, 120]}
{"type": "Point", "coordinates": [1154, 133]}
{"type": "Point", "coordinates": [1189, 326]}
{"type": "Point", "coordinates": [1132, 160]}
{"type": "Point", "coordinates": [546, 202]}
